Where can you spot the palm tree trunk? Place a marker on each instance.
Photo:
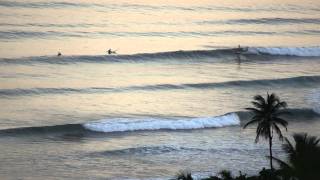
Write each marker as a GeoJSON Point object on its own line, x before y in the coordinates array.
{"type": "Point", "coordinates": [270, 150]}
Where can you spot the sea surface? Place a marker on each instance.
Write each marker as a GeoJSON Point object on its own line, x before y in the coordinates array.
{"type": "Point", "coordinates": [172, 98]}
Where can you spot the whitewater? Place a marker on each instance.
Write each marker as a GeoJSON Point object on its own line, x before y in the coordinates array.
{"type": "Point", "coordinates": [172, 98]}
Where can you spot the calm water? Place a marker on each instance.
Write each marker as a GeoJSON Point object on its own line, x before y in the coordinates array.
{"type": "Point", "coordinates": [88, 115]}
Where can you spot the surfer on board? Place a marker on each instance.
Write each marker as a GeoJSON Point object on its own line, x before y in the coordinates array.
{"type": "Point", "coordinates": [241, 50]}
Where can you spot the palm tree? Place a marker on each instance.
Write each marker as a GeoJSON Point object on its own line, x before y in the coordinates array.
{"type": "Point", "coordinates": [304, 158]}
{"type": "Point", "coordinates": [266, 113]}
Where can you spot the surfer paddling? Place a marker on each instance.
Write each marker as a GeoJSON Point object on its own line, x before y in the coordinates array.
{"type": "Point", "coordinates": [111, 52]}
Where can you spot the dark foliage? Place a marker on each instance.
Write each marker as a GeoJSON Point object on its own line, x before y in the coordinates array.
{"type": "Point", "coordinates": [184, 175]}
{"type": "Point", "coordinates": [303, 158]}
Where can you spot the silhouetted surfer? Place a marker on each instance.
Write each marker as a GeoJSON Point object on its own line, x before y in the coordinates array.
{"type": "Point", "coordinates": [111, 52]}
{"type": "Point", "coordinates": [241, 50]}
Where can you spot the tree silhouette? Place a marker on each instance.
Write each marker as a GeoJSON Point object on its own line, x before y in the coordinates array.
{"type": "Point", "coordinates": [184, 175]}
{"type": "Point", "coordinates": [304, 158]}
{"type": "Point", "coordinates": [266, 113]}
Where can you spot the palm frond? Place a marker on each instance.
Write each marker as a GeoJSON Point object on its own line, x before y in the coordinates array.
{"type": "Point", "coordinates": [254, 110]}
{"type": "Point", "coordinates": [312, 140]}
{"type": "Point", "coordinates": [263, 131]}
{"type": "Point", "coordinates": [282, 112]}
{"type": "Point", "coordinates": [271, 99]}
{"type": "Point", "coordinates": [184, 175]}
{"type": "Point", "coordinates": [288, 147]}
{"type": "Point", "coordinates": [281, 121]}
{"type": "Point", "coordinates": [279, 106]}
{"type": "Point", "coordinates": [281, 163]}
{"type": "Point", "coordinates": [303, 157]}
{"type": "Point", "coordinates": [257, 104]}
{"type": "Point", "coordinates": [278, 131]}
{"type": "Point", "coordinates": [250, 122]}
{"type": "Point", "coordinates": [260, 99]}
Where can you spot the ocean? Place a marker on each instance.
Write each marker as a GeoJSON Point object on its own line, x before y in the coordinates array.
{"type": "Point", "coordinates": [172, 98]}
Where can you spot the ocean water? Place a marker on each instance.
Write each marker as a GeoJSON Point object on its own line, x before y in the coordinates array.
{"type": "Point", "coordinates": [172, 98]}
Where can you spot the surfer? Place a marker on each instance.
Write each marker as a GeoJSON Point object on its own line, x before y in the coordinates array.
{"type": "Point", "coordinates": [111, 52]}
{"type": "Point", "coordinates": [240, 49]}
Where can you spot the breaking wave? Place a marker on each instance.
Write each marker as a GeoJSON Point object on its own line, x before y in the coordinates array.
{"type": "Point", "coordinates": [127, 125]}
{"type": "Point", "coordinates": [114, 125]}
{"type": "Point", "coordinates": [124, 124]}
{"type": "Point", "coordinates": [286, 51]}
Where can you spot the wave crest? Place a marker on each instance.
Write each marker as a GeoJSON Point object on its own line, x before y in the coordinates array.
{"type": "Point", "coordinates": [286, 51]}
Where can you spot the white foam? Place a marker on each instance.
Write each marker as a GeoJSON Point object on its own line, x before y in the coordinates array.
{"type": "Point", "coordinates": [314, 100]}
{"type": "Point", "coordinates": [126, 124]}
{"type": "Point", "coordinates": [286, 51]}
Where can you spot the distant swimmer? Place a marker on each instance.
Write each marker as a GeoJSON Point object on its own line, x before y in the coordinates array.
{"type": "Point", "coordinates": [59, 54]}
{"type": "Point", "coordinates": [111, 52]}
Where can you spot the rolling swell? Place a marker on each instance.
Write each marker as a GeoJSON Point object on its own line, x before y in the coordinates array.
{"type": "Point", "coordinates": [293, 114]}
{"type": "Point", "coordinates": [44, 91]}
{"type": "Point", "coordinates": [294, 82]}
{"type": "Point", "coordinates": [287, 82]}
{"type": "Point", "coordinates": [164, 149]}
{"type": "Point", "coordinates": [16, 4]}
{"type": "Point", "coordinates": [314, 100]}
{"type": "Point", "coordinates": [57, 129]}
{"type": "Point", "coordinates": [144, 150]}
{"type": "Point", "coordinates": [267, 21]}
{"type": "Point", "coordinates": [18, 34]}
{"type": "Point", "coordinates": [178, 55]}
{"type": "Point", "coordinates": [119, 58]}
{"type": "Point", "coordinates": [135, 6]}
